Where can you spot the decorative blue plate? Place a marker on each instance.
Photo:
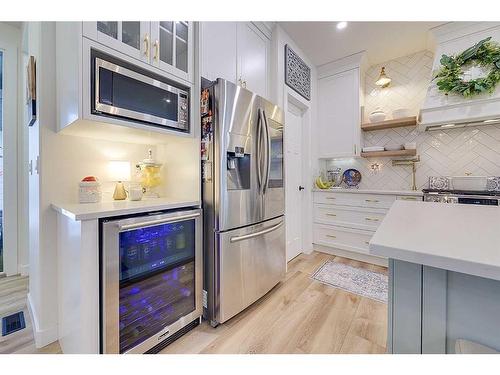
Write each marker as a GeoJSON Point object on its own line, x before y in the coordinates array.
{"type": "Point", "coordinates": [351, 177]}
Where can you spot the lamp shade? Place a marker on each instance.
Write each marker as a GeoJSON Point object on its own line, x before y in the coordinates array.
{"type": "Point", "coordinates": [119, 170]}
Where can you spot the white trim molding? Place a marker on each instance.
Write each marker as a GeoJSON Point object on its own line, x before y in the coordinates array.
{"type": "Point", "coordinates": [45, 336]}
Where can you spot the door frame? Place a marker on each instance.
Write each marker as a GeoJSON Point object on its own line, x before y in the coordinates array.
{"type": "Point", "coordinates": [291, 97]}
{"type": "Point", "coordinates": [10, 51]}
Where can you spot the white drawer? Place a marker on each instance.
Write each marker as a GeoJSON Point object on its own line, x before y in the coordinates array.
{"type": "Point", "coordinates": [343, 238]}
{"type": "Point", "coordinates": [355, 199]}
{"type": "Point", "coordinates": [358, 217]}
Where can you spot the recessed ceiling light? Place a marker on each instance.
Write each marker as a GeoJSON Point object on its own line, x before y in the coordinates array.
{"type": "Point", "coordinates": [341, 25]}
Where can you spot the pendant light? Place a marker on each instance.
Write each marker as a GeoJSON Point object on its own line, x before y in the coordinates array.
{"type": "Point", "coordinates": [383, 81]}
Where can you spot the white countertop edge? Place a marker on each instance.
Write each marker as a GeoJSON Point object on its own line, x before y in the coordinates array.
{"type": "Point", "coordinates": [371, 191]}
{"type": "Point", "coordinates": [449, 264]}
{"type": "Point", "coordinates": [84, 211]}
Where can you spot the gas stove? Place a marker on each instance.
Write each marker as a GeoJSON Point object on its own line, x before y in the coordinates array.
{"type": "Point", "coordinates": [480, 197]}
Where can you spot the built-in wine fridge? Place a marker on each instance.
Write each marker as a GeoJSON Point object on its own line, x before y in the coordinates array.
{"type": "Point", "coordinates": [151, 280]}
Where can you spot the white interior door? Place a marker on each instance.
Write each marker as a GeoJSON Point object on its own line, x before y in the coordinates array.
{"type": "Point", "coordinates": [8, 149]}
{"type": "Point", "coordinates": [294, 195]}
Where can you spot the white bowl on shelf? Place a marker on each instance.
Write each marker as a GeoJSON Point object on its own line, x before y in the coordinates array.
{"type": "Point", "coordinates": [377, 115]}
{"type": "Point", "coordinates": [400, 113]}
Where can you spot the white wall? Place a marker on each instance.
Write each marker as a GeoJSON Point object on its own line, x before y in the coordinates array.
{"type": "Point", "coordinates": [280, 93]}
{"type": "Point", "coordinates": [442, 153]}
{"type": "Point", "coordinates": [42, 296]}
{"type": "Point", "coordinates": [12, 192]}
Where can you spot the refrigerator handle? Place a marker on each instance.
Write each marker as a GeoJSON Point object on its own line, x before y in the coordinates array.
{"type": "Point", "coordinates": [259, 151]}
{"type": "Point", "coordinates": [256, 234]}
{"type": "Point", "coordinates": [268, 153]}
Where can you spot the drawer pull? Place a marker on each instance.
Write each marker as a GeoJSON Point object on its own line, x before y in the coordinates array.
{"type": "Point", "coordinates": [371, 219]}
{"type": "Point", "coordinates": [371, 200]}
{"type": "Point", "coordinates": [408, 198]}
{"type": "Point", "coordinates": [330, 198]}
{"type": "Point", "coordinates": [367, 242]}
{"type": "Point", "coordinates": [331, 236]}
{"type": "Point", "coordinates": [329, 214]}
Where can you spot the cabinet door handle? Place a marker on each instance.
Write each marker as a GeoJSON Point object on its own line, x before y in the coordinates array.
{"type": "Point", "coordinates": [157, 50]}
{"type": "Point", "coordinates": [242, 83]}
{"type": "Point", "coordinates": [371, 200]}
{"type": "Point", "coordinates": [367, 242]}
{"type": "Point", "coordinates": [146, 45]}
{"type": "Point", "coordinates": [355, 149]}
{"type": "Point", "coordinates": [331, 236]}
{"type": "Point", "coordinates": [329, 214]}
{"type": "Point", "coordinates": [371, 219]}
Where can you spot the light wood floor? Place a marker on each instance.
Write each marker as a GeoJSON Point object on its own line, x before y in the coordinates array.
{"type": "Point", "coordinates": [13, 292]}
{"type": "Point", "coordinates": [299, 315]}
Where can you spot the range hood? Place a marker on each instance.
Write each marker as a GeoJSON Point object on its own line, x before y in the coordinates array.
{"type": "Point", "coordinates": [442, 111]}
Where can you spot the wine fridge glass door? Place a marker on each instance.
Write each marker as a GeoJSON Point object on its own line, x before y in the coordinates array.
{"type": "Point", "coordinates": [156, 272]}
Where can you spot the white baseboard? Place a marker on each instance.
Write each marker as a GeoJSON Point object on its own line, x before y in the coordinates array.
{"type": "Point", "coordinates": [24, 269]}
{"type": "Point", "coordinates": [43, 337]}
{"type": "Point", "coordinates": [352, 255]}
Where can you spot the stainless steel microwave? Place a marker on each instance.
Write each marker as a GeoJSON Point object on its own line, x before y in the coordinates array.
{"type": "Point", "coordinates": [127, 92]}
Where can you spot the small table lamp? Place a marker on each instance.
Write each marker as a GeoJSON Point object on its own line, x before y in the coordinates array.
{"type": "Point", "coordinates": [119, 171]}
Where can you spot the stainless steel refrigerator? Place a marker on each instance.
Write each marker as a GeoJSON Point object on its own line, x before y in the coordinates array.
{"type": "Point", "coordinates": [243, 198]}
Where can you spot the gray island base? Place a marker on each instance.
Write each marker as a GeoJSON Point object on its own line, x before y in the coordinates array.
{"type": "Point", "coordinates": [433, 310]}
{"type": "Point", "coordinates": [444, 277]}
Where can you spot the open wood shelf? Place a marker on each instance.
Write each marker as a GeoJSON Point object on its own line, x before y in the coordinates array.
{"type": "Point", "coordinates": [384, 154]}
{"type": "Point", "coordinates": [388, 124]}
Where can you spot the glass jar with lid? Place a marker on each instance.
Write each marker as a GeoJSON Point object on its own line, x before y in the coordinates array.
{"type": "Point", "coordinates": [149, 171]}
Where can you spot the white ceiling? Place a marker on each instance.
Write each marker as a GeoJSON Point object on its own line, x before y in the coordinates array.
{"type": "Point", "coordinates": [322, 42]}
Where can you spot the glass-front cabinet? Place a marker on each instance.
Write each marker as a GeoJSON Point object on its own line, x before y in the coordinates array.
{"type": "Point", "coordinates": [166, 45]}
{"type": "Point", "coordinates": [172, 47]}
{"type": "Point", "coordinates": [129, 37]}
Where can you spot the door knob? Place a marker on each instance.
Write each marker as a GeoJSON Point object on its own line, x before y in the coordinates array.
{"type": "Point", "coordinates": [301, 188]}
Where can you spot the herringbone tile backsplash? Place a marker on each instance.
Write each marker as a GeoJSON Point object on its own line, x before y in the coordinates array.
{"type": "Point", "coordinates": [442, 153]}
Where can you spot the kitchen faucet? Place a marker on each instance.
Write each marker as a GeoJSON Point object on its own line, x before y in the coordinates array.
{"type": "Point", "coordinates": [411, 162]}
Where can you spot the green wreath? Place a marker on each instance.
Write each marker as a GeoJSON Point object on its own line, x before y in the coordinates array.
{"type": "Point", "coordinates": [486, 54]}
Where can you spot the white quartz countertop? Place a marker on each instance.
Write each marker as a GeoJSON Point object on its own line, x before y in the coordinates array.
{"type": "Point", "coordinates": [456, 237]}
{"type": "Point", "coordinates": [88, 211]}
{"type": "Point", "coordinates": [370, 191]}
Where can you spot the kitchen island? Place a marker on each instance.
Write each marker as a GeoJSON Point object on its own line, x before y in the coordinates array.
{"type": "Point", "coordinates": [444, 275]}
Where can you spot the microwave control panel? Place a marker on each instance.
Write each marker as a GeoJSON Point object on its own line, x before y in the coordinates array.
{"type": "Point", "coordinates": [183, 108]}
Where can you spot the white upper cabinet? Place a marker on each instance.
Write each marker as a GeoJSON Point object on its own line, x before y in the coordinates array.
{"type": "Point", "coordinates": [128, 37]}
{"type": "Point", "coordinates": [171, 47]}
{"type": "Point", "coordinates": [339, 115]}
{"type": "Point", "coordinates": [238, 52]}
{"type": "Point", "coordinates": [253, 59]}
{"type": "Point", "coordinates": [167, 45]}
{"type": "Point", "coordinates": [218, 50]}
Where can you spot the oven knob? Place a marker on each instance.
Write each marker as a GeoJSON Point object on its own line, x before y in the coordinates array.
{"type": "Point", "coordinates": [184, 107]}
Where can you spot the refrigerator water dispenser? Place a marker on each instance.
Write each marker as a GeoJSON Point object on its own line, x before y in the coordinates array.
{"type": "Point", "coordinates": [238, 171]}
